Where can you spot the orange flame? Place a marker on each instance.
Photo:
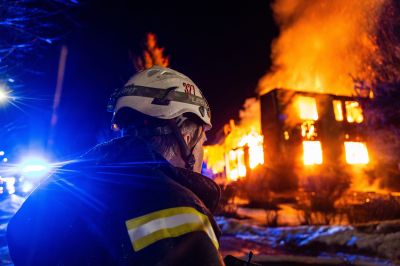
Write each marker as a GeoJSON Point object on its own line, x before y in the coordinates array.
{"type": "Point", "coordinates": [245, 137]}
{"type": "Point", "coordinates": [356, 152]}
{"type": "Point", "coordinates": [152, 54]}
{"type": "Point", "coordinates": [354, 112]}
{"type": "Point", "coordinates": [307, 108]}
{"type": "Point", "coordinates": [312, 152]}
{"type": "Point", "coordinates": [323, 45]}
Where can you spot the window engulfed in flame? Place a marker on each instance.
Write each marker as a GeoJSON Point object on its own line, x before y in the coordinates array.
{"type": "Point", "coordinates": [308, 130]}
{"type": "Point", "coordinates": [255, 143]}
{"type": "Point", "coordinates": [237, 167]}
{"type": "Point", "coordinates": [354, 112]}
{"type": "Point", "coordinates": [241, 149]}
{"type": "Point", "coordinates": [312, 152]}
{"type": "Point", "coordinates": [307, 108]}
{"type": "Point", "coordinates": [338, 110]}
{"type": "Point", "coordinates": [236, 163]}
{"type": "Point", "coordinates": [356, 152]}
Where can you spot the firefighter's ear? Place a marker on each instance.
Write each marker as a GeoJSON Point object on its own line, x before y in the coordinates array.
{"type": "Point", "coordinates": [187, 138]}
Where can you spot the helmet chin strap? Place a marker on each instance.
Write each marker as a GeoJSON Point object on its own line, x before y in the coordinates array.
{"type": "Point", "coordinates": [186, 152]}
{"type": "Point", "coordinates": [174, 128]}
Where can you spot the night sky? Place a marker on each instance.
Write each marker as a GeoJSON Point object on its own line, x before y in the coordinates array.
{"type": "Point", "coordinates": [224, 46]}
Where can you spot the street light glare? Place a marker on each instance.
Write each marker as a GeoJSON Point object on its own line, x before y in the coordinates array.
{"type": "Point", "coordinates": [34, 167]}
{"type": "Point", "coordinates": [3, 96]}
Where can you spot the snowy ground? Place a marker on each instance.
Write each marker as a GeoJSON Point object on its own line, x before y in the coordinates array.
{"type": "Point", "coordinates": [369, 244]}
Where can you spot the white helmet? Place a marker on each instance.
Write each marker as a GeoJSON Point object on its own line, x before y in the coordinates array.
{"type": "Point", "coordinates": [162, 93]}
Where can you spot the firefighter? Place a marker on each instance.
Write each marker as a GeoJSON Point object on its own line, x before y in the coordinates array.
{"type": "Point", "coordinates": [136, 200]}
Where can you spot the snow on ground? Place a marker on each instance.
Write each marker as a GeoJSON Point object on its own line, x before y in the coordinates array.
{"type": "Point", "coordinates": [376, 243]}
{"type": "Point", "coordinates": [8, 206]}
{"type": "Point", "coordinates": [368, 244]}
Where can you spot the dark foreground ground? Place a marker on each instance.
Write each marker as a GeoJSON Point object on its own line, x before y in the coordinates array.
{"type": "Point", "coordinates": [372, 244]}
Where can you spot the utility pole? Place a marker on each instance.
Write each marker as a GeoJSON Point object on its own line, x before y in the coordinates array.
{"type": "Point", "coordinates": [57, 96]}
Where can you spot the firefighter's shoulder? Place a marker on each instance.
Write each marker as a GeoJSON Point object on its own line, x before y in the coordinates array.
{"type": "Point", "coordinates": [173, 222]}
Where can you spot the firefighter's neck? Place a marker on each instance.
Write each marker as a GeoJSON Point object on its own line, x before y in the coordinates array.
{"type": "Point", "coordinates": [177, 161]}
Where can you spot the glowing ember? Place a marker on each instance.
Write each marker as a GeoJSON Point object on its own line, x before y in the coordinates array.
{"type": "Point", "coordinates": [307, 108]}
{"type": "Point", "coordinates": [356, 153]}
{"type": "Point", "coordinates": [354, 112]}
{"type": "Point", "coordinates": [312, 152]}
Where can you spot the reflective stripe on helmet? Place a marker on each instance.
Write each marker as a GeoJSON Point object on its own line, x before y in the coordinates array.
{"type": "Point", "coordinates": [148, 229]}
{"type": "Point", "coordinates": [156, 93]}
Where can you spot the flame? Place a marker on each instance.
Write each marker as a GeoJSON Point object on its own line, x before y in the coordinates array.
{"type": "Point", "coordinates": [254, 141]}
{"type": "Point", "coordinates": [240, 141]}
{"type": "Point", "coordinates": [307, 108]}
{"type": "Point", "coordinates": [152, 54]}
{"type": "Point", "coordinates": [338, 110]}
{"type": "Point", "coordinates": [312, 152]}
{"type": "Point", "coordinates": [356, 152]}
{"type": "Point", "coordinates": [236, 165]}
{"type": "Point", "coordinates": [308, 130]}
{"type": "Point", "coordinates": [354, 112]}
{"type": "Point", "coordinates": [324, 46]}
{"type": "Point", "coordinates": [213, 155]}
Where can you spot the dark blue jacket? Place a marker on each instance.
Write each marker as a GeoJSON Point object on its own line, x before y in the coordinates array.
{"type": "Point", "coordinates": [120, 204]}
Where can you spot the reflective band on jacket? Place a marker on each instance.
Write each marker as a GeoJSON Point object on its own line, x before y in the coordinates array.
{"type": "Point", "coordinates": [148, 229]}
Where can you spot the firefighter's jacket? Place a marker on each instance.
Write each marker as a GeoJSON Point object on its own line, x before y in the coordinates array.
{"type": "Point", "coordinates": [120, 204]}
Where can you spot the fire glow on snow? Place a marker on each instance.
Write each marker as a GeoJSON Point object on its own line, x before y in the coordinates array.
{"type": "Point", "coordinates": [379, 240]}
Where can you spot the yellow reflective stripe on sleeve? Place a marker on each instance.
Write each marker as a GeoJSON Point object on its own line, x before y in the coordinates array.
{"type": "Point", "coordinates": [150, 228]}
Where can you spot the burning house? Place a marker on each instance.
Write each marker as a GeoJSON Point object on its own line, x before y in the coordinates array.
{"type": "Point", "coordinates": [308, 116]}
{"type": "Point", "coordinates": [302, 130]}
{"type": "Point", "coordinates": [312, 129]}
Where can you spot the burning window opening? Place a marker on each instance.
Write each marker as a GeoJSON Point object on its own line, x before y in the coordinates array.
{"type": "Point", "coordinates": [249, 154]}
{"type": "Point", "coordinates": [254, 142]}
{"type": "Point", "coordinates": [354, 112]}
{"type": "Point", "coordinates": [236, 166]}
{"type": "Point", "coordinates": [308, 130]}
{"type": "Point", "coordinates": [240, 149]}
{"type": "Point", "coordinates": [312, 152]}
{"type": "Point", "coordinates": [356, 152]}
{"type": "Point", "coordinates": [307, 108]}
{"type": "Point", "coordinates": [338, 110]}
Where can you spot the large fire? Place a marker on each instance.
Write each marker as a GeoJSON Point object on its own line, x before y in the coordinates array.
{"type": "Point", "coordinates": [242, 147]}
{"type": "Point", "coordinates": [323, 45]}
